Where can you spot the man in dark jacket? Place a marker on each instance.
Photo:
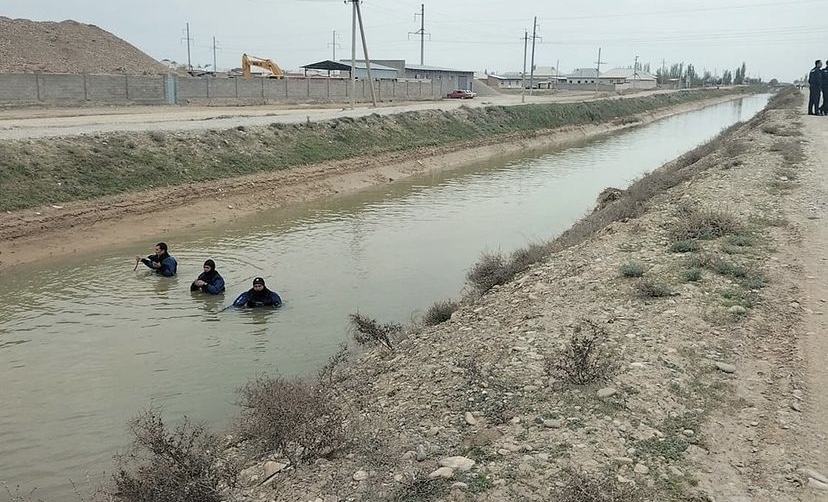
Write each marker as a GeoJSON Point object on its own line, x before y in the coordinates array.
{"type": "Point", "coordinates": [161, 261]}
{"type": "Point", "coordinates": [209, 281]}
{"type": "Point", "coordinates": [824, 74]}
{"type": "Point", "coordinates": [258, 296]}
{"type": "Point", "coordinates": [815, 86]}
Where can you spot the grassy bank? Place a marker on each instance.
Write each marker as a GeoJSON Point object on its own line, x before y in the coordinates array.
{"type": "Point", "coordinates": [59, 170]}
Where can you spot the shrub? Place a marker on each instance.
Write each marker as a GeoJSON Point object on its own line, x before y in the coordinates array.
{"type": "Point", "coordinates": [440, 312]}
{"type": "Point", "coordinates": [691, 275]}
{"type": "Point", "coordinates": [368, 331]}
{"type": "Point", "coordinates": [653, 289]}
{"type": "Point", "coordinates": [179, 465]}
{"type": "Point", "coordinates": [292, 417]}
{"type": "Point", "coordinates": [326, 373]}
{"type": "Point", "coordinates": [706, 224]}
{"type": "Point", "coordinates": [521, 259]}
{"type": "Point", "coordinates": [420, 489]}
{"type": "Point", "coordinates": [632, 269]}
{"type": "Point", "coordinates": [490, 271]}
{"type": "Point", "coordinates": [729, 269]}
{"type": "Point", "coordinates": [685, 246]}
{"type": "Point", "coordinates": [577, 486]}
{"type": "Point", "coordinates": [585, 359]}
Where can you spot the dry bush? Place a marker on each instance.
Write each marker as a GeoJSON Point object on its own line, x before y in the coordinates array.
{"type": "Point", "coordinates": [328, 371]}
{"type": "Point", "coordinates": [178, 465]}
{"type": "Point", "coordinates": [586, 358]}
{"type": "Point", "coordinates": [578, 486]}
{"type": "Point", "coordinates": [420, 489]}
{"type": "Point", "coordinates": [521, 259]}
{"type": "Point", "coordinates": [440, 312]}
{"type": "Point", "coordinates": [653, 289]}
{"type": "Point", "coordinates": [791, 150]}
{"type": "Point", "coordinates": [490, 271]}
{"type": "Point", "coordinates": [291, 417]}
{"type": "Point", "coordinates": [705, 224]}
{"type": "Point", "coordinates": [734, 148]}
{"type": "Point", "coordinates": [367, 331]}
{"type": "Point", "coordinates": [632, 269]}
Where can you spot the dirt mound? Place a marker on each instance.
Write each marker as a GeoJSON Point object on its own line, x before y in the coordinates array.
{"type": "Point", "coordinates": [68, 47]}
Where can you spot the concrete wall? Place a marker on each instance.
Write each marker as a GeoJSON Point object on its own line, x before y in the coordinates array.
{"type": "Point", "coordinates": [83, 89]}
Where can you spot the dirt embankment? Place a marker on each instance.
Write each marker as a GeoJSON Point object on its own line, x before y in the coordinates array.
{"type": "Point", "coordinates": [59, 170]}
{"type": "Point", "coordinates": [68, 47]}
{"type": "Point", "coordinates": [697, 297]}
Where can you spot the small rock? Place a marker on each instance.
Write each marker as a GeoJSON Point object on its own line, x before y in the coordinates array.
{"type": "Point", "coordinates": [409, 455]}
{"type": "Point", "coordinates": [817, 485]}
{"type": "Point", "coordinates": [421, 453]}
{"type": "Point", "coordinates": [229, 207]}
{"type": "Point", "coordinates": [442, 472]}
{"type": "Point", "coordinates": [688, 432]}
{"type": "Point", "coordinates": [457, 463]}
{"type": "Point", "coordinates": [810, 473]}
{"type": "Point", "coordinates": [638, 365]}
{"type": "Point", "coordinates": [738, 310]}
{"type": "Point", "coordinates": [271, 468]}
{"type": "Point", "coordinates": [676, 472]}
{"type": "Point", "coordinates": [398, 478]}
{"type": "Point", "coordinates": [606, 392]}
{"type": "Point", "coordinates": [727, 368]}
{"type": "Point", "coordinates": [470, 418]}
{"type": "Point", "coordinates": [623, 460]}
{"type": "Point", "coordinates": [641, 469]}
{"type": "Point", "coordinates": [459, 486]}
{"type": "Point", "coordinates": [360, 476]}
{"type": "Point", "coordinates": [553, 423]}
{"type": "Point", "coordinates": [796, 406]}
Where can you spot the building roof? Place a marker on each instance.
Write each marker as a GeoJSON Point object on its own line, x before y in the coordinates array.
{"type": "Point", "coordinates": [420, 67]}
{"type": "Point", "coordinates": [628, 73]}
{"type": "Point", "coordinates": [360, 65]}
{"type": "Point", "coordinates": [505, 77]}
{"type": "Point", "coordinates": [583, 73]}
{"type": "Point", "coordinates": [327, 65]}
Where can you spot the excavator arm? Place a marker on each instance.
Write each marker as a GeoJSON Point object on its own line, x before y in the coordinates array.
{"type": "Point", "coordinates": [250, 61]}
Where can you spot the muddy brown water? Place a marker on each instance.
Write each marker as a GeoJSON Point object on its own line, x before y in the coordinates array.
{"type": "Point", "coordinates": [85, 342]}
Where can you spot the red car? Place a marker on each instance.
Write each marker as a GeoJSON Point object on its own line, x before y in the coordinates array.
{"type": "Point", "coordinates": [461, 94]}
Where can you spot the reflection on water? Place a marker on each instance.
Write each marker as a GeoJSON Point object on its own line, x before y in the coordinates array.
{"type": "Point", "coordinates": [86, 343]}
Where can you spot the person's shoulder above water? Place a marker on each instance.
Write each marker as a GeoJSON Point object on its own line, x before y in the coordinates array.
{"type": "Point", "coordinates": [258, 296]}
{"type": "Point", "coordinates": [209, 281]}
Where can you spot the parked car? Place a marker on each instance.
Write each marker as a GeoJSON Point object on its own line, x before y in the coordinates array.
{"type": "Point", "coordinates": [461, 94]}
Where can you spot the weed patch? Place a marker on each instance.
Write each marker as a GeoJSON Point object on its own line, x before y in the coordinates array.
{"type": "Point", "coordinates": [440, 312]}
{"type": "Point", "coordinates": [685, 246]}
{"type": "Point", "coordinates": [632, 269]}
{"type": "Point", "coordinates": [706, 224]}
{"type": "Point", "coordinates": [586, 359]}
{"type": "Point", "coordinates": [367, 331]}
{"type": "Point", "coordinates": [653, 289]}
{"type": "Point", "coordinates": [691, 275]}
{"type": "Point", "coordinates": [578, 486]}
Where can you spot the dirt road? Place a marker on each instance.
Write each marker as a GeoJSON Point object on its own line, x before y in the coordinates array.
{"type": "Point", "coordinates": [52, 122]}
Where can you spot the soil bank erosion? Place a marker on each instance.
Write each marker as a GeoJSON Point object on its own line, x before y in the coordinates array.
{"type": "Point", "coordinates": [112, 176]}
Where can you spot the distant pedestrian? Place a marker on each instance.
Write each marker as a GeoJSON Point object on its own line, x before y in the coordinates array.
{"type": "Point", "coordinates": [815, 87]}
{"type": "Point", "coordinates": [209, 281]}
{"type": "Point", "coordinates": [161, 261]}
{"type": "Point", "coordinates": [824, 108]}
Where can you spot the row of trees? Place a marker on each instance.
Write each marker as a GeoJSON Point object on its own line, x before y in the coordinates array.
{"type": "Point", "coordinates": [687, 76]}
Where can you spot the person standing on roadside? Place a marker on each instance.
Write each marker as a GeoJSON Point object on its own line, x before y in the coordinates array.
{"type": "Point", "coordinates": [161, 261]}
{"type": "Point", "coordinates": [815, 86]}
{"type": "Point", "coordinates": [823, 110]}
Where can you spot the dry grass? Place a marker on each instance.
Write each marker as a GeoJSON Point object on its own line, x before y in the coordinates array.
{"type": "Point", "coordinates": [586, 358]}
{"type": "Point", "coordinates": [294, 418]}
{"type": "Point", "coordinates": [368, 331]}
{"type": "Point", "coordinates": [440, 312]}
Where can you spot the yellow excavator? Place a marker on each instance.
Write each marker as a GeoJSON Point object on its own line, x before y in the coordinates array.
{"type": "Point", "coordinates": [250, 61]}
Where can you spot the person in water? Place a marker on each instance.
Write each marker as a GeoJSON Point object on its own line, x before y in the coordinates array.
{"type": "Point", "coordinates": [209, 281]}
{"type": "Point", "coordinates": [161, 261]}
{"type": "Point", "coordinates": [258, 296]}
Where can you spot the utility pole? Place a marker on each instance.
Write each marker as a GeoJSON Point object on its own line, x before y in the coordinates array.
{"type": "Point", "coordinates": [557, 72]}
{"type": "Point", "coordinates": [189, 62]}
{"type": "Point", "coordinates": [365, 53]}
{"type": "Point", "coordinates": [333, 44]}
{"type": "Point", "coordinates": [663, 71]}
{"type": "Point", "coordinates": [681, 75]}
{"type": "Point", "coordinates": [598, 69]}
{"type": "Point", "coordinates": [635, 70]}
{"type": "Point", "coordinates": [523, 75]}
{"type": "Point", "coordinates": [215, 70]}
{"type": "Point", "coordinates": [353, 51]}
{"type": "Point", "coordinates": [421, 32]}
{"type": "Point", "coordinates": [532, 67]}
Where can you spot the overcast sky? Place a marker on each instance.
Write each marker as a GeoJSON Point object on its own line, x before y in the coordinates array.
{"type": "Point", "coordinates": [775, 38]}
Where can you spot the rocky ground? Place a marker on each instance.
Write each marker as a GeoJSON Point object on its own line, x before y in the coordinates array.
{"type": "Point", "coordinates": [68, 47]}
{"type": "Point", "coordinates": [702, 309]}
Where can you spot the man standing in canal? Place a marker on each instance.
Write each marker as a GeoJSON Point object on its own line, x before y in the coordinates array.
{"type": "Point", "coordinates": [815, 86]}
{"type": "Point", "coordinates": [161, 261]}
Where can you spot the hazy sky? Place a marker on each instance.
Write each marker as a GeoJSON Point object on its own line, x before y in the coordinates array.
{"type": "Point", "coordinates": [775, 38]}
